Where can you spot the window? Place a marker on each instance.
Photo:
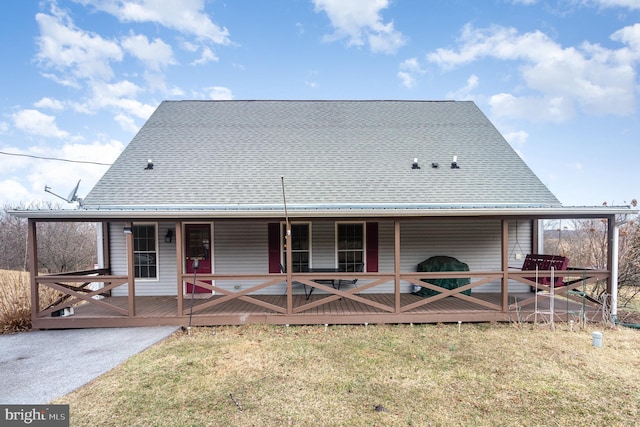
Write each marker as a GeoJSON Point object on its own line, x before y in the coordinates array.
{"type": "Point", "coordinates": [300, 246]}
{"type": "Point", "coordinates": [144, 251]}
{"type": "Point", "coordinates": [350, 244]}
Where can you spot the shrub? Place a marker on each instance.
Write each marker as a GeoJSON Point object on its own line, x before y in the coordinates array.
{"type": "Point", "coordinates": [15, 301]}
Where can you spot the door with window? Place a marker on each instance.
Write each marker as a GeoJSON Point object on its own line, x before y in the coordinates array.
{"type": "Point", "coordinates": [198, 252]}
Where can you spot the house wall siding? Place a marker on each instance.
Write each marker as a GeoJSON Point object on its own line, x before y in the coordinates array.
{"type": "Point", "coordinates": [165, 284]}
{"type": "Point", "coordinates": [242, 247]}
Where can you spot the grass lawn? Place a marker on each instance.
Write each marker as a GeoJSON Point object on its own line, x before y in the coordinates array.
{"type": "Point", "coordinates": [376, 375]}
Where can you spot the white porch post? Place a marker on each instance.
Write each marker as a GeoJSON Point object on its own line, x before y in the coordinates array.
{"type": "Point", "coordinates": [615, 237]}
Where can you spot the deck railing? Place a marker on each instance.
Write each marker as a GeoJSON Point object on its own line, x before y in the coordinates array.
{"type": "Point", "coordinates": [76, 287]}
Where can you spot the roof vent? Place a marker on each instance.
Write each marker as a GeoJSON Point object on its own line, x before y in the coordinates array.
{"type": "Point", "coordinates": [435, 165]}
{"type": "Point", "coordinates": [454, 164]}
{"type": "Point", "coordinates": [149, 165]}
{"type": "Point", "coordinates": [415, 164]}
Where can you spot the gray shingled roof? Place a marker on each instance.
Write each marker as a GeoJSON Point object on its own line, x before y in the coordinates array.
{"type": "Point", "coordinates": [329, 152]}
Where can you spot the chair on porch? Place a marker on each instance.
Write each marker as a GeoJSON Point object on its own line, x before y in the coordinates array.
{"type": "Point", "coordinates": [296, 283]}
{"type": "Point", "coordinates": [350, 282]}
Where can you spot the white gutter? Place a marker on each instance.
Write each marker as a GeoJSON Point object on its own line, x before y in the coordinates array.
{"type": "Point", "coordinates": [321, 211]}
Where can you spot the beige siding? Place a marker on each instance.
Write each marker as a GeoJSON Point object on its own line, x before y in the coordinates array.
{"type": "Point", "coordinates": [165, 283]}
{"type": "Point", "coordinates": [242, 247]}
{"type": "Point", "coordinates": [476, 242]}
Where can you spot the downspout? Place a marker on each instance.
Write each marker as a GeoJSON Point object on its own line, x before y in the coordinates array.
{"type": "Point", "coordinates": [615, 241]}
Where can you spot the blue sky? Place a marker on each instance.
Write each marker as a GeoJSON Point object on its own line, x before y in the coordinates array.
{"type": "Point", "coordinates": [557, 78]}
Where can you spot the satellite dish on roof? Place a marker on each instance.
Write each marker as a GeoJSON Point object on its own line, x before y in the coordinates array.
{"type": "Point", "coordinates": [72, 197]}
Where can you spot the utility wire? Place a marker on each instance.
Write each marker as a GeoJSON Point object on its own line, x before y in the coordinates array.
{"type": "Point", "coordinates": [54, 158]}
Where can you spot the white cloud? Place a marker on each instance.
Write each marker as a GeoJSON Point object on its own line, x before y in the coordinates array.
{"type": "Point", "coordinates": [408, 69]}
{"type": "Point", "coordinates": [12, 191]}
{"type": "Point", "coordinates": [36, 123]}
{"type": "Point", "coordinates": [631, 37]}
{"type": "Point", "coordinates": [407, 79]}
{"type": "Point", "coordinates": [73, 53]}
{"type": "Point", "coordinates": [4, 127]}
{"type": "Point", "coordinates": [126, 123]}
{"type": "Point", "coordinates": [48, 103]}
{"type": "Point", "coordinates": [412, 65]}
{"type": "Point", "coordinates": [120, 95]}
{"type": "Point", "coordinates": [630, 4]}
{"type": "Point", "coordinates": [188, 46]}
{"type": "Point", "coordinates": [186, 16]}
{"type": "Point", "coordinates": [464, 93]}
{"type": "Point", "coordinates": [552, 109]}
{"type": "Point", "coordinates": [589, 77]}
{"type": "Point", "coordinates": [360, 21]}
{"type": "Point", "coordinates": [207, 56]}
{"type": "Point", "coordinates": [219, 93]}
{"type": "Point", "coordinates": [156, 82]}
{"type": "Point", "coordinates": [60, 176]}
{"type": "Point", "coordinates": [156, 54]}
{"type": "Point", "coordinates": [517, 138]}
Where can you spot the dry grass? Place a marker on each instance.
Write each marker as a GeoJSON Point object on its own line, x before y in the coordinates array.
{"type": "Point", "coordinates": [422, 375]}
{"type": "Point", "coordinates": [15, 301]}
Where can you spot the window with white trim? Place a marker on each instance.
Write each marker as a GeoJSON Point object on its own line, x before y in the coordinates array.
{"type": "Point", "coordinates": [350, 245]}
{"type": "Point", "coordinates": [300, 246]}
{"type": "Point", "coordinates": [145, 253]}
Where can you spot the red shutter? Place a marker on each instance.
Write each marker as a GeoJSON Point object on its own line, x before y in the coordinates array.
{"type": "Point", "coordinates": [372, 247]}
{"type": "Point", "coordinates": [274, 247]}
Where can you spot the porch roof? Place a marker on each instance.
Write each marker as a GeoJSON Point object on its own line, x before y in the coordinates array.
{"type": "Point", "coordinates": [324, 211]}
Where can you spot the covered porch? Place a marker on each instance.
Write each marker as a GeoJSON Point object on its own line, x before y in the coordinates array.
{"type": "Point", "coordinates": [90, 295]}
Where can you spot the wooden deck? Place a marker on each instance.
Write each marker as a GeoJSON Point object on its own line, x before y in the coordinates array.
{"type": "Point", "coordinates": [377, 308]}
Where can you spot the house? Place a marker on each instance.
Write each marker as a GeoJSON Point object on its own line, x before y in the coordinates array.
{"type": "Point", "coordinates": [310, 212]}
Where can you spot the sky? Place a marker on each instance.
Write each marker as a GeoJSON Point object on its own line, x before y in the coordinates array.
{"type": "Point", "coordinates": [559, 79]}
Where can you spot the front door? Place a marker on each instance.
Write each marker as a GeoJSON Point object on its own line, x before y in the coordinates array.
{"type": "Point", "coordinates": [197, 247]}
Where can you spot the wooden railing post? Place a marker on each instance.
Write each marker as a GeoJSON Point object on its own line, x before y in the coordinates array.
{"type": "Point", "coordinates": [179, 268]}
{"type": "Point", "coordinates": [131, 270]}
{"type": "Point", "coordinates": [33, 267]}
{"type": "Point", "coordinates": [396, 265]}
{"type": "Point", "coordinates": [289, 268]}
{"type": "Point", "coordinates": [505, 265]}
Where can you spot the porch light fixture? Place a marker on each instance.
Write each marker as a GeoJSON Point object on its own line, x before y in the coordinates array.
{"type": "Point", "coordinates": [454, 164]}
{"type": "Point", "coordinates": [127, 230]}
{"type": "Point", "coordinates": [169, 236]}
{"type": "Point", "coordinates": [415, 164]}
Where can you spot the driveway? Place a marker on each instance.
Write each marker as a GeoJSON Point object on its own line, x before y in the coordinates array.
{"type": "Point", "coordinates": [37, 367]}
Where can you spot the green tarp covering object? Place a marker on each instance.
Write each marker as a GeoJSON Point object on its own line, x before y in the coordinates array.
{"type": "Point", "coordinates": [443, 263]}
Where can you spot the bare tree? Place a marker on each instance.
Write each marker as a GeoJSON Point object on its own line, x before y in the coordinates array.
{"type": "Point", "coordinates": [585, 242]}
{"type": "Point", "coordinates": [62, 246]}
{"type": "Point", "coordinates": [13, 241]}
